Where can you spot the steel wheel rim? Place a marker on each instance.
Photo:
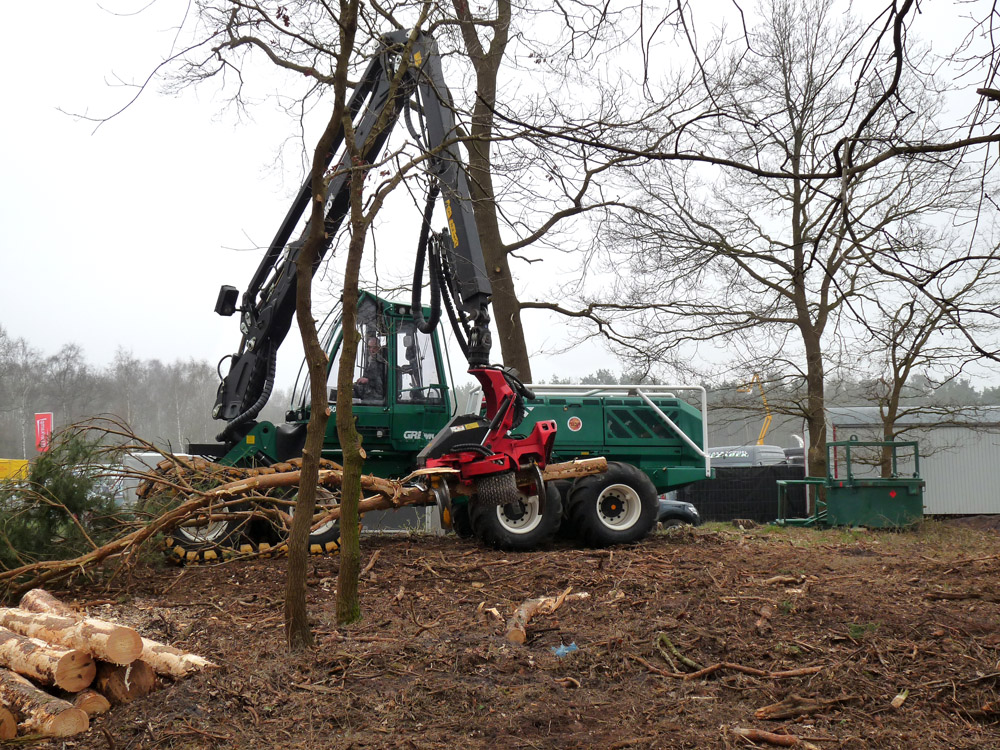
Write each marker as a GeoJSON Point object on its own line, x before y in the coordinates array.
{"type": "Point", "coordinates": [618, 507]}
{"type": "Point", "coordinates": [323, 503]}
{"type": "Point", "coordinates": [209, 533]}
{"type": "Point", "coordinates": [522, 519]}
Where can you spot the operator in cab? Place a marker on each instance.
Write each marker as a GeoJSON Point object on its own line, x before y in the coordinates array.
{"type": "Point", "coordinates": [371, 385]}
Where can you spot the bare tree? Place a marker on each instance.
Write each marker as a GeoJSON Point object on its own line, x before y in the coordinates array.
{"type": "Point", "coordinates": [766, 249]}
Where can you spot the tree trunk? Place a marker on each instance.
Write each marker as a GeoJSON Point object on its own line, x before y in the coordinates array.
{"type": "Point", "coordinates": [40, 600]}
{"type": "Point", "coordinates": [69, 669]}
{"type": "Point", "coordinates": [297, 630]}
{"type": "Point", "coordinates": [103, 640]}
{"type": "Point", "coordinates": [36, 711]}
{"type": "Point", "coordinates": [348, 604]}
{"type": "Point", "coordinates": [815, 410]}
{"type": "Point", "coordinates": [506, 305]}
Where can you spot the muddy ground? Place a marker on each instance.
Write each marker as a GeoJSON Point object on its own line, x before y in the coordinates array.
{"type": "Point", "coordinates": [848, 620]}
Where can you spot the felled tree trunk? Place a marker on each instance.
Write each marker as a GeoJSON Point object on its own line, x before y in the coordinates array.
{"type": "Point", "coordinates": [36, 711]}
{"type": "Point", "coordinates": [171, 662]}
{"type": "Point", "coordinates": [124, 684]}
{"type": "Point", "coordinates": [103, 640]}
{"type": "Point", "coordinates": [40, 600]}
{"type": "Point", "coordinates": [69, 669]}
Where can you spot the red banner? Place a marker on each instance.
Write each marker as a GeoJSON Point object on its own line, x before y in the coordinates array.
{"type": "Point", "coordinates": [43, 431]}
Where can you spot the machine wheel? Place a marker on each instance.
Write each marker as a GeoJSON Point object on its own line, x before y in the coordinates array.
{"type": "Point", "coordinates": [518, 526]}
{"type": "Point", "coordinates": [324, 539]}
{"type": "Point", "coordinates": [616, 507]}
{"type": "Point", "coordinates": [207, 543]}
{"type": "Point", "coordinates": [565, 487]}
{"type": "Point", "coordinates": [672, 523]}
{"type": "Point", "coordinates": [461, 523]}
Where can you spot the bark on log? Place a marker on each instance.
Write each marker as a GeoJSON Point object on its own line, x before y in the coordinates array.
{"type": "Point", "coordinates": [69, 669]}
{"type": "Point", "coordinates": [102, 639]}
{"type": "Point", "coordinates": [36, 711]}
{"type": "Point", "coordinates": [90, 702]}
{"type": "Point", "coordinates": [517, 626]}
{"type": "Point", "coordinates": [124, 684]}
{"type": "Point", "coordinates": [40, 600]}
{"type": "Point", "coordinates": [171, 662]}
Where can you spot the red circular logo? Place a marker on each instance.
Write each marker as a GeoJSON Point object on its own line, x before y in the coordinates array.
{"type": "Point", "coordinates": [574, 424]}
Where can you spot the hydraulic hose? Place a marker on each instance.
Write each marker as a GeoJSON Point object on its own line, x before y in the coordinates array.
{"type": "Point", "coordinates": [458, 325]}
{"type": "Point", "coordinates": [231, 427]}
{"type": "Point", "coordinates": [417, 310]}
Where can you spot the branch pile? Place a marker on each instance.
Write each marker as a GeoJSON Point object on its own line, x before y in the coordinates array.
{"type": "Point", "coordinates": [187, 491]}
{"type": "Point", "coordinates": [59, 667]}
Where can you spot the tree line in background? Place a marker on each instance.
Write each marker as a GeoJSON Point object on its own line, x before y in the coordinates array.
{"type": "Point", "coordinates": [170, 404]}
{"type": "Point", "coordinates": [166, 403]}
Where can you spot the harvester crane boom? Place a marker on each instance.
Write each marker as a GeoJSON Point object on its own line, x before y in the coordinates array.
{"type": "Point", "coordinates": [491, 463]}
{"type": "Point", "coordinates": [402, 69]}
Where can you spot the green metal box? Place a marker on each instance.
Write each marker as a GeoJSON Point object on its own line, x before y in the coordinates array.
{"type": "Point", "coordinates": [891, 501]}
{"type": "Point", "coordinates": [875, 503]}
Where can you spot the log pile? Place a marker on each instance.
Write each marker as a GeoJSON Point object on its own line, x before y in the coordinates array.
{"type": "Point", "coordinates": [59, 667]}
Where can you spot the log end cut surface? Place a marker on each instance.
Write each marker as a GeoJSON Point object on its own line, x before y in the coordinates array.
{"type": "Point", "coordinates": [75, 671]}
{"type": "Point", "coordinates": [123, 645]}
{"type": "Point", "coordinates": [124, 684]}
{"type": "Point", "coordinates": [64, 724]}
{"type": "Point", "coordinates": [91, 702]}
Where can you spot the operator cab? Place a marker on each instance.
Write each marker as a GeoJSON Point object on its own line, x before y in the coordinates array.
{"type": "Point", "coordinates": [400, 395]}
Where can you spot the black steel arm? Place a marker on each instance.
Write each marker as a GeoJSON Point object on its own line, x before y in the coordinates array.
{"type": "Point", "coordinates": [268, 304]}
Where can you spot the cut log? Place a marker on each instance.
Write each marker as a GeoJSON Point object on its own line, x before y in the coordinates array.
{"type": "Point", "coordinates": [36, 711]}
{"type": "Point", "coordinates": [165, 660]}
{"type": "Point", "coordinates": [90, 701]}
{"type": "Point", "coordinates": [40, 600]}
{"type": "Point", "coordinates": [69, 669]}
{"type": "Point", "coordinates": [171, 662]}
{"type": "Point", "coordinates": [124, 684]}
{"type": "Point", "coordinates": [103, 640]}
{"type": "Point", "coordinates": [517, 626]}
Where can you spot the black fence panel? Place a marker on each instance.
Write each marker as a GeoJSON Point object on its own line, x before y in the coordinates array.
{"type": "Point", "coordinates": [749, 492]}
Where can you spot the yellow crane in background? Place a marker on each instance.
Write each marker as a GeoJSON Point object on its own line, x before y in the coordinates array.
{"type": "Point", "coordinates": [767, 409]}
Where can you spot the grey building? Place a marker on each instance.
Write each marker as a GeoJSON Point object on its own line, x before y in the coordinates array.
{"type": "Point", "coordinates": [959, 454]}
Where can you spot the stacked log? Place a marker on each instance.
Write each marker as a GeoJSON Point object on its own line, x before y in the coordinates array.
{"type": "Point", "coordinates": [90, 701]}
{"type": "Point", "coordinates": [93, 664]}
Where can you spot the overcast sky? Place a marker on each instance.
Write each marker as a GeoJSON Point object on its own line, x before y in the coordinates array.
{"type": "Point", "coordinates": [120, 237]}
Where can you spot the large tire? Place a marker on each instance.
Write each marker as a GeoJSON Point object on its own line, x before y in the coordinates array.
{"type": "Point", "coordinates": [461, 524]}
{"type": "Point", "coordinates": [616, 507]}
{"type": "Point", "coordinates": [565, 487]}
{"type": "Point", "coordinates": [517, 526]}
{"type": "Point", "coordinates": [207, 543]}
